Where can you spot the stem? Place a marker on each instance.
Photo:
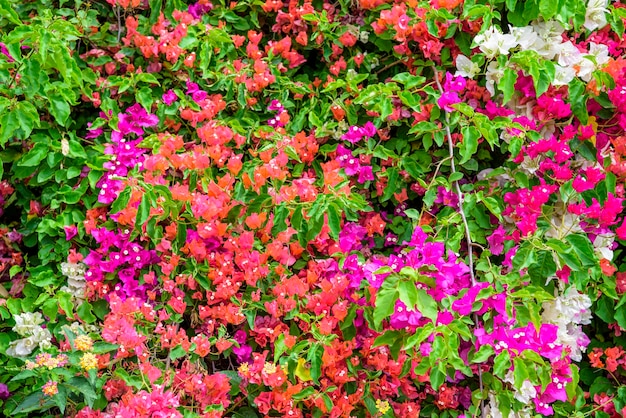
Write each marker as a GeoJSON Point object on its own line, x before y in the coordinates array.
{"type": "Point", "coordinates": [118, 14]}
{"type": "Point", "coordinates": [468, 237]}
{"type": "Point", "coordinates": [388, 66]}
{"type": "Point", "coordinates": [457, 188]}
{"type": "Point", "coordinates": [19, 67]}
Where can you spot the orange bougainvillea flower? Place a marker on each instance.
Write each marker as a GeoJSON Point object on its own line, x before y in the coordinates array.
{"type": "Point", "coordinates": [608, 269]}
{"type": "Point", "coordinates": [256, 220]}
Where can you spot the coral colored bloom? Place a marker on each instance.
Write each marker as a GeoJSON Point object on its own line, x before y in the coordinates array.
{"type": "Point", "coordinates": [50, 388]}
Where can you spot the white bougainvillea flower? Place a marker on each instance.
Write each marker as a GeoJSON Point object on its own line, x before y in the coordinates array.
{"type": "Point", "coordinates": [568, 55]}
{"type": "Point", "coordinates": [549, 30]}
{"type": "Point", "coordinates": [585, 69]}
{"type": "Point", "coordinates": [599, 52]}
{"type": "Point", "coordinates": [494, 73]}
{"type": "Point", "coordinates": [493, 42]}
{"type": "Point", "coordinates": [595, 16]}
{"type": "Point", "coordinates": [550, 38]}
{"type": "Point", "coordinates": [563, 75]}
{"type": "Point", "coordinates": [22, 347]}
{"type": "Point", "coordinates": [526, 37]}
{"type": "Point", "coordinates": [603, 245]}
{"type": "Point", "coordinates": [465, 67]}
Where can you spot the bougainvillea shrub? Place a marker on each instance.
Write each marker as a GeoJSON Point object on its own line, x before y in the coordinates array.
{"type": "Point", "coordinates": [304, 208]}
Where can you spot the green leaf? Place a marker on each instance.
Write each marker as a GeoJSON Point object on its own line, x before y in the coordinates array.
{"type": "Point", "coordinates": [426, 305]}
{"type": "Point", "coordinates": [76, 150]}
{"type": "Point", "coordinates": [502, 364]}
{"type": "Point", "coordinates": [280, 215]}
{"type": "Point", "coordinates": [84, 313]}
{"type": "Point", "coordinates": [392, 186]}
{"type": "Point", "coordinates": [35, 156]}
{"type": "Point", "coordinates": [437, 378]}
{"type": "Point", "coordinates": [304, 393]}
{"type": "Point", "coordinates": [59, 108]}
{"type": "Point", "coordinates": [507, 84]}
{"type": "Point", "coordinates": [548, 8]}
{"type": "Point", "coordinates": [177, 352]}
{"type": "Point", "coordinates": [143, 212]}
{"type": "Point", "coordinates": [9, 124]}
{"type": "Point", "coordinates": [583, 249]}
{"type": "Point", "coordinates": [483, 354]}
{"type": "Point", "coordinates": [24, 374]}
{"type": "Point", "coordinates": [145, 97]}
{"type": "Point", "coordinates": [82, 385]}
{"type": "Point", "coordinates": [520, 371]}
{"type": "Point", "coordinates": [469, 145]}
{"type": "Point", "coordinates": [578, 100]}
{"type": "Point", "coordinates": [147, 78]}
{"type": "Point", "coordinates": [121, 202]}
{"type": "Point", "coordinates": [65, 302]}
{"type": "Point", "coordinates": [408, 294]}
{"type": "Point", "coordinates": [524, 256]}
{"type": "Point", "coordinates": [573, 384]}
{"type": "Point", "coordinates": [388, 338]}
{"type": "Point", "coordinates": [315, 358]}
{"type": "Point", "coordinates": [245, 412]}
{"type": "Point", "coordinates": [60, 398]}
{"type": "Point", "coordinates": [100, 308]}
{"type": "Point", "coordinates": [34, 402]}
{"type": "Point", "coordinates": [42, 276]}
{"type": "Point", "coordinates": [27, 117]}
{"type": "Point", "coordinates": [543, 267]}
{"type": "Point", "coordinates": [8, 12]}
{"type": "Point", "coordinates": [385, 303]}
{"type": "Point", "coordinates": [419, 337]}
{"type": "Point", "coordinates": [334, 220]}
{"type": "Point", "coordinates": [103, 347]}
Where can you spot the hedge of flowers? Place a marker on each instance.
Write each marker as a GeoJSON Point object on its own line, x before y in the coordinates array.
{"type": "Point", "coordinates": [312, 208]}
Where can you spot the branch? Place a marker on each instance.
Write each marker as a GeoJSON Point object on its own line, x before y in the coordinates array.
{"type": "Point", "coordinates": [457, 188]}
{"type": "Point", "coordinates": [468, 238]}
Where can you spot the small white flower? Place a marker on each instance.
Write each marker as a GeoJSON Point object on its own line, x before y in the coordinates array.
{"type": "Point", "coordinates": [585, 69]}
{"type": "Point", "coordinates": [22, 347]}
{"type": "Point", "coordinates": [563, 75]}
{"type": "Point", "coordinates": [493, 75]}
{"type": "Point", "coordinates": [27, 323]}
{"type": "Point", "coordinates": [466, 67]}
{"type": "Point", "coordinates": [569, 311]}
{"type": "Point", "coordinates": [65, 147]}
{"type": "Point", "coordinates": [526, 393]}
{"type": "Point", "coordinates": [526, 37]}
{"type": "Point", "coordinates": [492, 42]}
{"type": "Point", "coordinates": [603, 245]}
{"type": "Point", "coordinates": [550, 31]}
{"type": "Point", "coordinates": [530, 165]}
{"type": "Point", "coordinates": [595, 16]}
{"type": "Point", "coordinates": [568, 54]}
{"type": "Point", "coordinates": [600, 53]}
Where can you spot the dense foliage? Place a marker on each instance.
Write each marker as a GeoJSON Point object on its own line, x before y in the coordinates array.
{"type": "Point", "coordinates": [312, 208]}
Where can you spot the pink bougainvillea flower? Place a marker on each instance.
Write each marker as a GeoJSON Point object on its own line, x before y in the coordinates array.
{"type": "Point", "coordinates": [170, 96]}
{"type": "Point", "coordinates": [496, 240]}
{"type": "Point", "coordinates": [70, 232]}
{"type": "Point", "coordinates": [448, 99]}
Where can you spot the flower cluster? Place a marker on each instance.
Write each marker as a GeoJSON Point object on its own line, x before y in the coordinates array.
{"type": "Point", "coordinates": [569, 311]}
{"type": "Point", "coordinates": [313, 208]}
{"type": "Point", "coordinates": [29, 325]}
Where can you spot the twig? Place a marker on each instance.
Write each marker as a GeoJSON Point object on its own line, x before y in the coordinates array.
{"type": "Point", "coordinates": [468, 238]}
{"type": "Point", "coordinates": [388, 66]}
{"type": "Point", "coordinates": [118, 14]}
{"type": "Point", "coordinates": [457, 188]}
